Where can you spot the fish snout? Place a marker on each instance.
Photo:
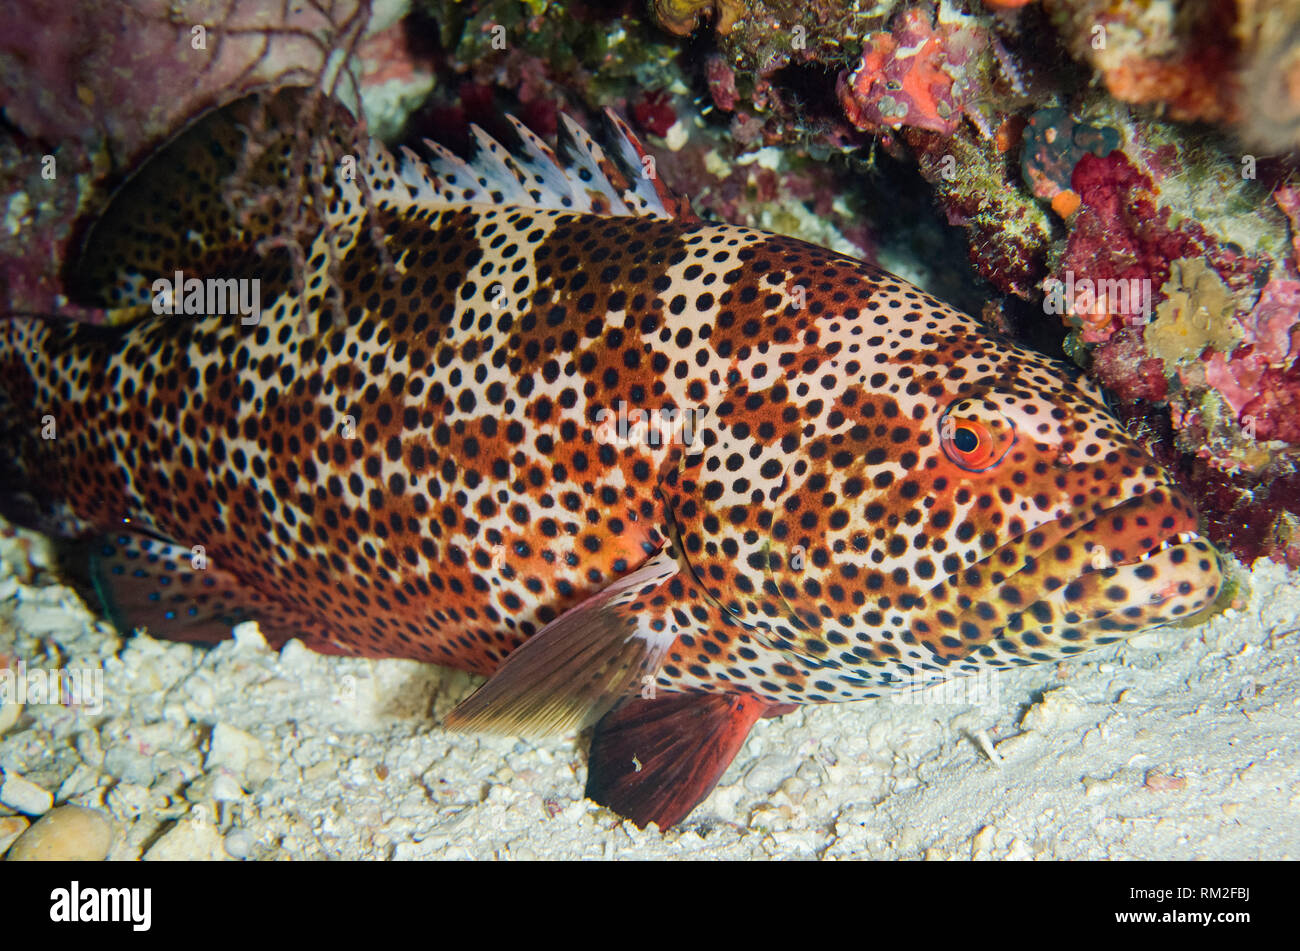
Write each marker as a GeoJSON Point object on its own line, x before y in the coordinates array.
{"type": "Point", "coordinates": [1147, 562]}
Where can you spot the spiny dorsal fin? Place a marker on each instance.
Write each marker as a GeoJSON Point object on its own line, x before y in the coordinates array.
{"type": "Point", "coordinates": [600, 178]}
{"type": "Point", "coordinates": [543, 166]}
{"type": "Point", "coordinates": [456, 181]}
{"type": "Point", "coordinates": [648, 183]}
{"type": "Point", "coordinates": [262, 186]}
{"type": "Point", "coordinates": [505, 171]}
{"type": "Point", "coordinates": [581, 176]}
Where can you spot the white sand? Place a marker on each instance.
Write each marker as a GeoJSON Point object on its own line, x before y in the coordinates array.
{"type": "Point", "coordinates": [1182, 744]}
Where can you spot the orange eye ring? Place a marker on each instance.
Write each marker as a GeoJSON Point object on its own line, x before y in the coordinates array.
{"type": "Point", "coordinates": [971, 443]}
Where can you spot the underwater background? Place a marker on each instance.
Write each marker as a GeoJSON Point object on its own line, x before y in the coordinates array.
{"type": "Point", "coordinates": [1025, 161]}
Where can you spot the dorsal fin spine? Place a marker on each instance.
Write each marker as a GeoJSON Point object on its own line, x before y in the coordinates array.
{"type": "Point", "coordinates": [581, 176]}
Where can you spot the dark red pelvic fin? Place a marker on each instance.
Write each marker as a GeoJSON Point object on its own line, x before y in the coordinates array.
{"type": "Point", "coordinates": [656, 760]}
{"type": "Point", "coordinates": [170, 591]}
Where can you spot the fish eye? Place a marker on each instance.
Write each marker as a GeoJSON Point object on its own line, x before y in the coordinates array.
{"type": "Point", "coordinates": [971, 445]}
{"type": "Point", "coordinates": [966, 440]}
{"type": "Point", "coordinates": [975, 435]}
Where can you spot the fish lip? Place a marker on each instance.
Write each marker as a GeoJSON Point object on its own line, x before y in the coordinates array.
{"type": "Point", "coordinates": [1186, 539]}
{"type": "Point", "coordinates": [1178, 540]}
{"type": "Point", "coordinates": [1087, 521]}
{"type": "Point", "coordinates": [1183, 535]}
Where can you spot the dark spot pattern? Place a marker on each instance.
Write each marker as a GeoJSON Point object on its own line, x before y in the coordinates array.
{"type": "Point", "coordinates": [435, 462]}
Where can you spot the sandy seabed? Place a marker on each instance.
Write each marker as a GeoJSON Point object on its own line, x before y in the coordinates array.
{"type": "Point", "coordinates": [1182, 743]}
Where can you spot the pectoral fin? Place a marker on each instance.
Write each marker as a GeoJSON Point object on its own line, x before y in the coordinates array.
{"type": "Point", "coordinates": [569, 674]}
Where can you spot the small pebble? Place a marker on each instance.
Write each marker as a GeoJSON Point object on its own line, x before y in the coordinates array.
{"type": "Point", "coordinates": [239, 844]}
{"type": "Point", "coordinates": [294, 655]}
{"type": "Point", "coordinates": [11, 827]}
{"type": "Point", "coordinates": [193, 838]}
{"type": "Point", "coordinates": [1160, 781]}
{"type": "Point", "coordinates": [232, 748]}
{"type": "Point", "coordinates": [65, 834]}
{"type": "Point", "coordinates": [248, 636]}
{"type": "Point", "coordinates": [18, 792]}
{"type": "Point", "coordinates": [130, 765]}
{"type": "Point", "coordinates": [769, 772]}
{"type": "Point", "coordinates": [9, 714]}
{"type": "Point", "coordinates": [982, 843]}
{"type": "Point", "coordinates": [225, 789]}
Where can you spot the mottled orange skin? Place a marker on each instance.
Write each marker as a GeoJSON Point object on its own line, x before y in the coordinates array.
{"type": "Point", "coordinates": [424, 475]}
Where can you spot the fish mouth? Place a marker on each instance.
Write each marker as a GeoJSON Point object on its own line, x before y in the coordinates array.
{"type": "Point", "coordinates": [1159, 525]}
{"type": "Point", "coordinates": [1182, 538]}
{"type": "Point", "coordinates": [1081, 581]}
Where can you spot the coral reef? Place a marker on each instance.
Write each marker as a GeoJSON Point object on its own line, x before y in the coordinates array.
{"type": "Point", "coordinates": [1010, 231]}
{"type": "Point", "coordinates": [1181, 56]}
{"type": "Point", "coordinates": [910, 76]}
{"type": "Point", "coordinates": [1231, 62]}
{"type": "Point", "coordinates": [1053, 145]}
{"type": "Point", "coordinates": [1206, 334]}
{"type": "Point", "coordinates": [1269, 103]}
{"type": "Point", "coordinates": [942, 86]}
{"type": "Point", "coordinates": [681, 16]}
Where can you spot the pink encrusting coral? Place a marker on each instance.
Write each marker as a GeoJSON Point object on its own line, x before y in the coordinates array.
{"type": "Point", "coordinates": [1288, 199]}
{"type": "Point", "coordinates": [1260, 380]}
{"type": "Point", "coordinates": [653, 111]}
{"type": "Point", "coordinates": [1123, 232]}
{"type": "Point", "coordinates": [912, 76]}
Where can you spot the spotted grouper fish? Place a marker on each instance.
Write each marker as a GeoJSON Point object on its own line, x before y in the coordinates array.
{"type": "Point", "coordinates": [524, 415]}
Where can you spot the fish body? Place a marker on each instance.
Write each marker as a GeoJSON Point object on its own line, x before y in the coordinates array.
{"type": "Point", "coordinates": [527, 418]}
